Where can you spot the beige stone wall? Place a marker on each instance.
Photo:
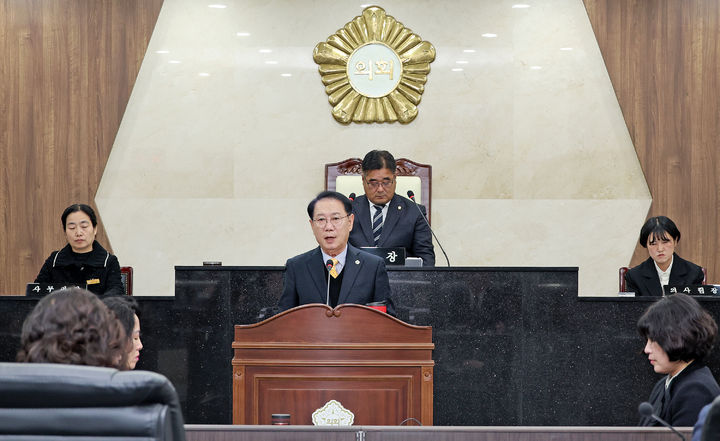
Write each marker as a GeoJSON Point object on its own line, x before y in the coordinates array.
{"type": "Point", "coordinates": [219, 153]}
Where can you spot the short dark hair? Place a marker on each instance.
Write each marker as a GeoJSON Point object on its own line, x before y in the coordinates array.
{"type": "Point", "coordinates": [330, 195]}
{"type": "Point", "coordinates": [378, 159]}
{"type": "Point", "coordinates": [79, 207]}
{"type": "Point", "coordinates": [658, 227]}
{"type": "Point", "coordinates": [125, 309]}
{"type": "Point", "coordinates": [72, 326]}
{"type": "Point", "coordinates": [682, 328]}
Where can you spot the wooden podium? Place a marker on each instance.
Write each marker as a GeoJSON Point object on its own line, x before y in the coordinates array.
{"type": "Point", "coordinates": [375, 365]}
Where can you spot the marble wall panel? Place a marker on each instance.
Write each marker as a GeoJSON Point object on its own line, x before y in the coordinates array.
{"type": "Point", "coordinates": [225, 136]}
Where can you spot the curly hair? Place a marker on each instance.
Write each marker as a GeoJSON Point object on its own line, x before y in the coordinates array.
{"type": "Point", "coordinates": [682, 328]}
{"type": "Point", "coordinates": [72, 326]}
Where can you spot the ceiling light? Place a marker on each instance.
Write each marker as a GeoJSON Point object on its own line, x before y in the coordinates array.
{"type": "Point", "coordinates": [457, 69]}
{"type": "Point", "coordinates": [566, 48]}
{"type": "Point", "coordinates": [271, 62]}
{"type": "Point", "coordinates": [285, 74]}
{"type": "Point", "coordinates": [162, 52]}
{"type": "Point", "coordinates": [174, 61]}
{"type": "Point", "coordinates": [489, 35]}
{"type": "Point", "coordinates": [243, 34]}
{"type": "Point", "coordinates": [217, 6]}
{"type": "Point", "coordinates": [461, 62]}
{"type": "Point", "coordinates": [204, 74]}
{"type": "Point", "coordinates": [469, 51]}
{"type": "Point", "coordinates": [520, 6]}
{"type": "Point", "coordinates": [265, 51]}
{"type": "Point", "coordinates": [535, 67]}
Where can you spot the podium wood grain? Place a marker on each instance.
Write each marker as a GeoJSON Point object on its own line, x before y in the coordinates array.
{"type": "Point", "coordinates": [375, 365]}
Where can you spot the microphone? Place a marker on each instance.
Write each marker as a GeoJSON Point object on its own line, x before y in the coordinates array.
{"type": "Point", "coordinates": [352, 197]}
{"type": "Point", "coordinates": [411, 195]}
{"type": "Point", "coordinates": [329, 266]}
{"type": "Point", "coordinates": [645, 409]}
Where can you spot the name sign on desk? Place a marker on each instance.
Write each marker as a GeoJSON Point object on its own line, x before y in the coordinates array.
{"type": "Point", "coordinates": [392, 255]}
{"type": "Point", "coordinates": [42, 289]}
{"type": "Point", "coordinates": [693, 290]}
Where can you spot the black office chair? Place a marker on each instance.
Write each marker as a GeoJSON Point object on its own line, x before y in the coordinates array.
{"type": "Point", "coordinates": [711, 427]}
{"type": "Point", "coordinates": [58, 401]}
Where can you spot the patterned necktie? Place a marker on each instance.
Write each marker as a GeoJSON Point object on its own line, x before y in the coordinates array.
{"type": "Point", "coordinates": [377, 223]}
{"type": "Point", "coordinates": [333, 270]}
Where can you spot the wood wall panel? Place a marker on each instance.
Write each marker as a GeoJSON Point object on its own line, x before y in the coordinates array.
{"type": "Point", "coordinates": [67, 70]}
{"type": "Point", "coordinates": [663, 58]}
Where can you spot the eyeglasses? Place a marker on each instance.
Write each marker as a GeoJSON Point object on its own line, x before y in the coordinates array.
{"type": "Point", "coordinates": [321, 222]}
{"type": "Point", "coordinates": [375, 184]}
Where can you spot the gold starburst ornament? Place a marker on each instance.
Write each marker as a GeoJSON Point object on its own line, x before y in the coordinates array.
{"type": "Point", "coordinates": [374, 69]}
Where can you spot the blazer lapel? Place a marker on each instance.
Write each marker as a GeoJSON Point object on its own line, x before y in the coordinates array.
{"type": "Point", "coordinates": [393, 216]}
{"type": "Point", "coordinates": [678, 272]}
{"type": "Point", "coordinates": [362, 218]}
{"type": "Point", "coordinates": [651, 278]}
{"type": "Point", "coordinates": [317, 274]}
{"type": "Point", "coordinates": [351, 270]}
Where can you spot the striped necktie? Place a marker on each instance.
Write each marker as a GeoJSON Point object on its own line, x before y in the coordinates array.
{"type": "Point", "coordinates": [377, 223]}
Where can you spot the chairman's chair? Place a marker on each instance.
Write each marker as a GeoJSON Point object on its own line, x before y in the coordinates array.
{"type": "Point", "coordinates": [346, 177]}
{"type": "Point", "coordinates": [59, 401]}
{"type": "Point", "coordinates": [624, 270]}
{"type": "Point", "coordinates": [126, 277]}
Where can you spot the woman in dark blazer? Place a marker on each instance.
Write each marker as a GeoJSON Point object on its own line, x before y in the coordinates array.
{"type": "Point", "coordinates": [83, 261]}
{"type": "Point", "coordinates": [660, 236]}
{"type": "Point", "coordinates": [679, 334]}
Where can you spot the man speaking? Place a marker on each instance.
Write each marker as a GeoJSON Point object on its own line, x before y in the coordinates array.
{"type": "Point", "coordinates": [335, 272]}
{"type": "Point", "coordinates": [385, 219]}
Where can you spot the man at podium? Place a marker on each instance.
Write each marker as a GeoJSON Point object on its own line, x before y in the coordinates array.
{"type": "Point", "coordinates": [335, 272]}
{"type": "Point", "coordinates": [385, 219]}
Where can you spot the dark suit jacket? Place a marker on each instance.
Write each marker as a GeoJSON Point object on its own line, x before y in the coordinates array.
{"type": "Point", "coordinates": [364, 280]}
{"type": "Point", "coordinates": [644, 281]}
{"type": "Point", "coordinates": [681, 403]}
{"type": "Point", "coordinates": [404, 227]}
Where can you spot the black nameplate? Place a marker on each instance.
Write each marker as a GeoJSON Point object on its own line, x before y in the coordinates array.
{"type": "Point", "coordinates": [43, 289]}
{"type": "Point", "coordinates": [392, 255]}
{"type": "Point", "coordinates": [693, 290]}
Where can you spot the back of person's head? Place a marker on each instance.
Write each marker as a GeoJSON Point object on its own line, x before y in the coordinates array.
{"type": "Point", "coordinates": [125, 309]}
{"type": "Point", "coordinates": [378, 159]}
{"type": "Point", "coordinates": [79, 207]}
{"type": "Point", "coordinates": [72, 326]}
{"type": "Point", "coordinates": [658, 227]}
{"type": "Point", "coordinates": [329, 195]}
{"type": "Point", "coordinates": [682, 328]}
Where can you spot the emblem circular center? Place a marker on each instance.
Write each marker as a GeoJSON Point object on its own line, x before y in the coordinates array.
{"type": "Point", "coordinates": [374, 70]}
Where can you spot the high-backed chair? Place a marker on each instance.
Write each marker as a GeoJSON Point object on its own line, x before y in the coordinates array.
{"type": "Point", "coordinates": [126, 276]}
{"type": "Point", "coordinates": [346, 177]}
{"type": "Point", "coordinates": [59, 401]}
{"type": "Point", "coordinates": [624, 270]}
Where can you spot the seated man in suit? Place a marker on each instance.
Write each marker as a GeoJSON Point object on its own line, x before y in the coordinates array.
{"type": "Point", "coordinates": [385, 219]}
{"type": "Point", "coordinates": [355, 276]}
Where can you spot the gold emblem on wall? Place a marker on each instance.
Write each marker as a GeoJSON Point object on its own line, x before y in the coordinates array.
{"type": "Point", "coordinates": [374, 69]}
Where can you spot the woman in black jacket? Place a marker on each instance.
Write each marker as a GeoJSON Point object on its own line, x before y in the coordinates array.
{"type": "Point", "coordinates": [660, 236]}
{"type": "Point", "coordinates": [83, 261]}
{"type": "Point", "coordinates": [679, 334]}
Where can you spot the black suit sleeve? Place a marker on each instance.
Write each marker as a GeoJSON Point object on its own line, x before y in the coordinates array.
{"type": "Point", "coordinates": [113, 284]}
{"type": "Point", "coordinates": [45, 274]}
{"type": "Point", "coordinates": [630, 285]}
{"type": "Point", "coordinates": [422, 240]}
{"type": "Point", "coordinates": [382, 288]}
{"type": "Point", "coordinates": [289, 297]}
{"type": "Point", "coordinates": [698, 277]}
{"type": "Point", "coordinates": [688, 402]}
